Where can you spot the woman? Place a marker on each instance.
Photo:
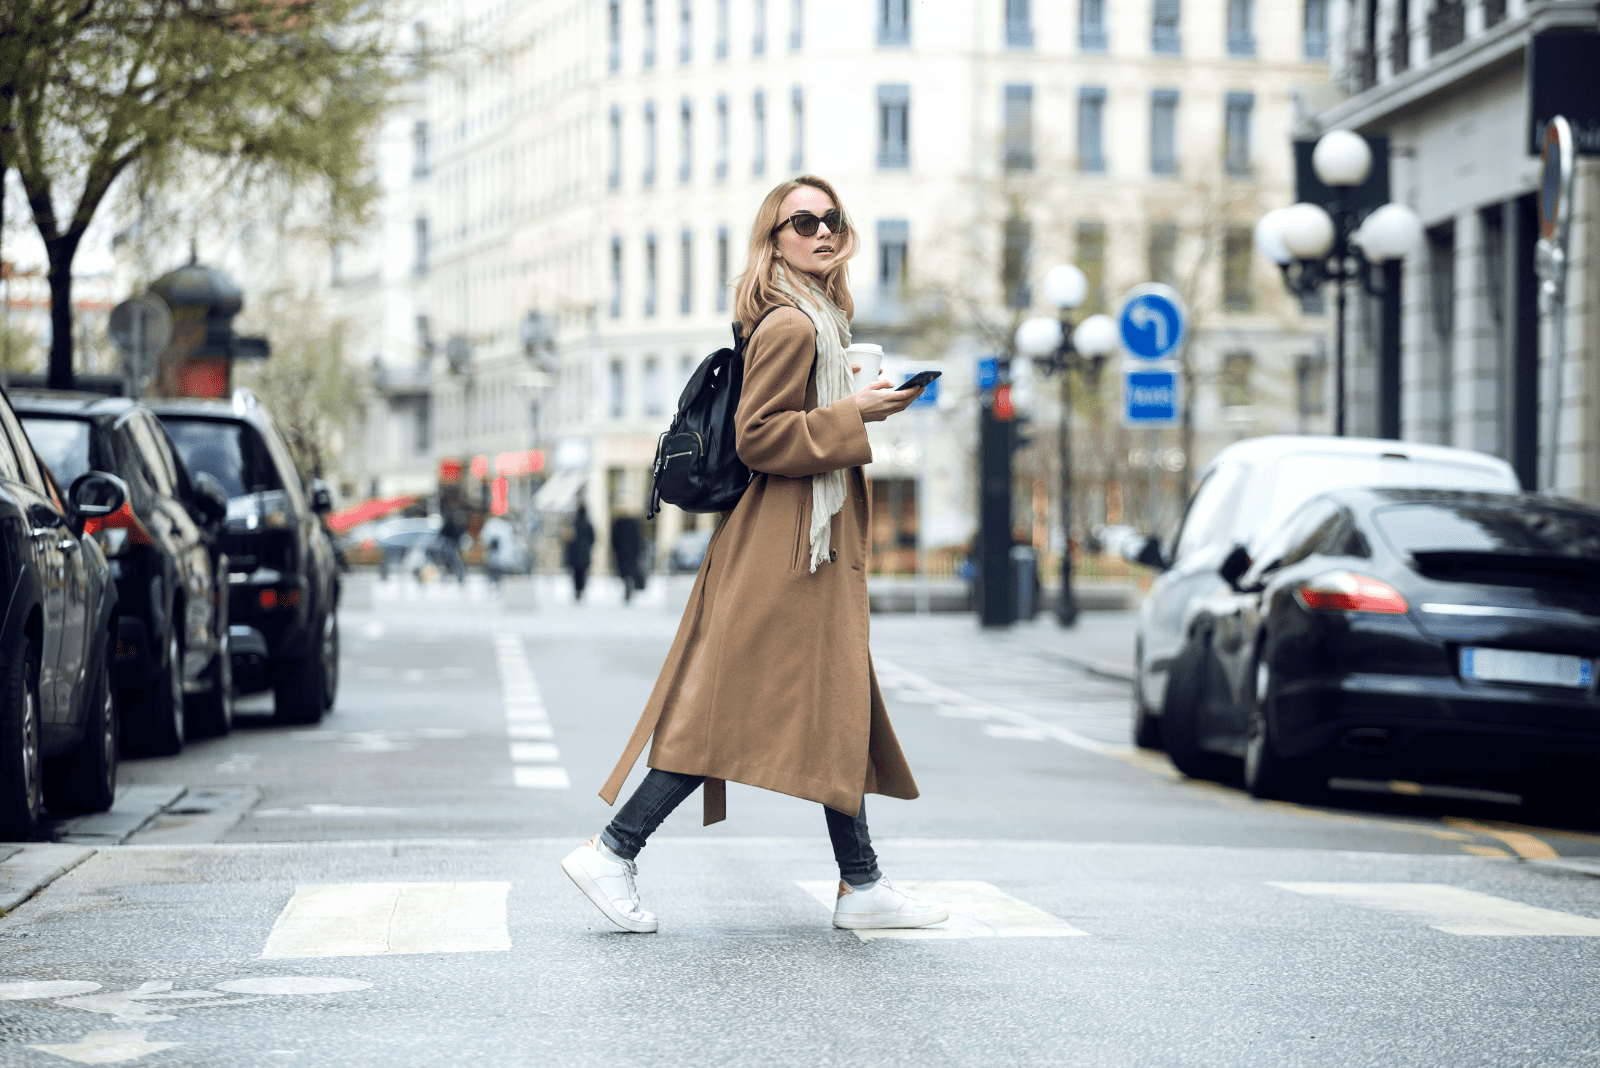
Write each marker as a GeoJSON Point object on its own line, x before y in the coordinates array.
{"type": "Point", "coordinates": [769, 681]}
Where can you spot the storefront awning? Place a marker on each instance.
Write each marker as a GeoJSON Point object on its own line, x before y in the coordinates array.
{"type": "Point", "coordinates": [557, 494]}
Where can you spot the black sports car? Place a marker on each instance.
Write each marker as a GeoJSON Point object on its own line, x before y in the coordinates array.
{"type": "Point", "coordinates": [1403, 634]}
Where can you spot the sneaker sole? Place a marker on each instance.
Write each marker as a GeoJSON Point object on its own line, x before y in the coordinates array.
{"type": "Point", "coordinates": [591, 890]}
{"type": "Point", "coordinates": [887, 921]}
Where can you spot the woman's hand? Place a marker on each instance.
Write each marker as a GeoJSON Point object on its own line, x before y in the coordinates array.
{"type": "Point", "coordinates": [879, 400]}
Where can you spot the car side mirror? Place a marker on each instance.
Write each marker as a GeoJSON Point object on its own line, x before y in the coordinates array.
{"type": "Point", "coordinates": [96, 495]}
{"type": "Point", "coordinates": [1146, 552]}
{"type": "Point", "coordinates": [1234, 565]}
{"type": "Point", "coordinates": [321, 497]}
{"type": "Point", "coordinates": [209, 497]}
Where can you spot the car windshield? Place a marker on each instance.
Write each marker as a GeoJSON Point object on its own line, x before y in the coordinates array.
{"type": "Point", "coordinates": [63, 445]}
{"type": "Point", "coordinates": [1468, 527]}
{"type": "Point", "coordinates": [231, 452]}
{"type": "Point", "coordinates": [1301, 476]}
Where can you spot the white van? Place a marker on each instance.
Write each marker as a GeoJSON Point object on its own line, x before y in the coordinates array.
{"type": "Point", "coordinates": [1243, 494]}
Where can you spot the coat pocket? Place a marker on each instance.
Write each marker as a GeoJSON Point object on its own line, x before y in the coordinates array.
{"type": "Point", "coordinates": [802, 530]}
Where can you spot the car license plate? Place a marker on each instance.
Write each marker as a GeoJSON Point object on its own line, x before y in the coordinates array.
{"type": "Point", "coordinates": [1540, 669]}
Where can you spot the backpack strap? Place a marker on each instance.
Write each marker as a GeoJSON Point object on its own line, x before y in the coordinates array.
{"type": "Point", "coordinates": [740, 339]}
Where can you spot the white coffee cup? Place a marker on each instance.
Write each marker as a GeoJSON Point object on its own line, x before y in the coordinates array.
{"type": "Point", "coordinates": [870, 357]}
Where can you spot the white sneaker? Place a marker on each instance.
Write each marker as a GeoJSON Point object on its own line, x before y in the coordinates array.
{"type": "Point", "coordinates": [607, 880]}
{"type": "Point", "coordinates": [883, 906]}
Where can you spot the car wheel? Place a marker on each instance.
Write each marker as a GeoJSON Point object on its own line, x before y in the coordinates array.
{"type": "Point", "coordinates": [1180, 716]}
{"type": "Point", "coordinates": [161, 722]}
{"type": "Point", "coordinates": [211, 711]}
{"type": "Point", "coordinates": [21, 776]}
{"type": "Point", "coordinates": [330, 659]}
{"type": "Point", "coordinates": [1146, 727]}
{"type": "Point", "coordinates": [297, 695]}
{"type": "Point", "coordinates": [1266, 774]}
{"type": "Point", "coordinates": [86, 780]}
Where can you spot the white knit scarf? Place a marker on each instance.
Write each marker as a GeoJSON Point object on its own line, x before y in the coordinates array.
{"type": "Point", "coordinates": [834, 383]}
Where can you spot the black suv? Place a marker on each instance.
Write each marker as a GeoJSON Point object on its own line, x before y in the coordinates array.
{"type": "Point", "coordinates": [173, 667]}
{"type": "Point", "coordinates": [283, 573]}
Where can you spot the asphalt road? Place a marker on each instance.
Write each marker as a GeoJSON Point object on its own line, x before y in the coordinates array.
{"type": "Point", "coordinates": [383, 889]}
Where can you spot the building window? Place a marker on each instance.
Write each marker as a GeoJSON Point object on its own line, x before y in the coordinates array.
{"type": "Point", "coordinates": [722, 29]}
{"type": "Point", "coordinates": [797, 24]}
{"type": "Point", "coordinates": [619, 393]}
{"type": "Point", "coordinates": [1447, 25]}
{"type": "Point", "coordinates": [1494, 13]}
{"type": "Point", "coordinates": [1016, 257]}
{"type": "Point", "coordinates": [797, 112]}
{"type": "Point", "coordinates": [614, 36]}
{"type": "Point", "coordinates": [722, 268]}
{"type": "Point", "coordinates": [1163, 131]}
{"type": "Point", "coordinates": [649, 58]}
{"type": "Point", "coordinates": [722, 137]}
{"type": "Point", "coordinates": [1310, 372]}
{"type": "Point", "coordinates": [1233, 385]}
{"type": "Point", "coordinates": [616, 278]}
{"type": "Point", "coordinates": [893, 237]}
{"type": "Point", "coordinates": [614, 172]}
{"type": "Point", "coordinates": [1241, 35]}
{"type": "Point", "coordinates": [1019, 24]}
{"type": "Point", "coordinates": [652, 386]}
{"type": "Point", "coordinates": [1442, 282]}
{"type": "Point", "coordinates": [685, 30]}
{"type": "Point", "coordinates": [1092, 25]}
{"type": "Point", "coordinates": [425, 344]}
{"type": "Point", "coordinates": [419, 149]}
{"type": "Point", "coordinates": [894, 22]}
{"type": "Point", "coordinates": [1165, 37]}
{"type": "Point", "coordinates": [419, 263]}
{"type": "Point", "coordinates": [758, 115]}
{"type": "Point", "coordinates": [1018, 151]}
{"type": "Point", "coordinates": [758, 37]}
{"type": "Point", "coordinates": [1238, 246]}
{"type": "Point", "coordinates": [650, 144]}
{"type": "Point", "coordinates": [650, 274]}
{"type": "Point", "coordinates": [1237, 131]}
{"type": "Point", "coordinates": [1316, 29]}
{"type": "Point", "coordinates": [1400, 37]}
{"type": "Point", "coordinates": [1091, 129]}
{"type": "Point", "coordinates": [686, 272]}
{"type": "Point", "coordinates": [1163, 254]}
{"type": "Point", "coordinates": [894, 126]}
{"type": "Point", "coordinates": [685, 140]}
{"type": "Point", "coordinates": [1091, 260]}
{"type": "Point", "coordinates": [422, 425]}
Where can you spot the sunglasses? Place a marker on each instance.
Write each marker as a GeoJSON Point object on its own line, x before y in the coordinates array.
{"type": "Point", "coordinates": [805, 223]}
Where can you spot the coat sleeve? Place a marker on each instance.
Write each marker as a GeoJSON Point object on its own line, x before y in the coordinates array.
{"type": "Point", "coordinates": [776, 435]}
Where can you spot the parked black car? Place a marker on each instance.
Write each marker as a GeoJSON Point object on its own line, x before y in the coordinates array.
{"type": "Point", "coordinates": [174, 672]}
{"type": "Point", "coordinates": [1403, 634]}
{"type": "Point", "coordinates": [283, 576]}
{"type": "Point", "coordinates": [58, 710]}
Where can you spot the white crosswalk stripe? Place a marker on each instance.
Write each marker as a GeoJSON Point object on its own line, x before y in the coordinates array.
{"type": "Point", "coordinates": [977, 910]}
{"type": "Point", "coordinates": [536, 761]}
{"type": "Point", "coordinates": [1453, 909]}
{"type": "Point", "coordinates": [381, 919]}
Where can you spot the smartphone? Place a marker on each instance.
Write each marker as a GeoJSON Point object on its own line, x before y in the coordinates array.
{"type": "Point", "coordinates": [919, 380]}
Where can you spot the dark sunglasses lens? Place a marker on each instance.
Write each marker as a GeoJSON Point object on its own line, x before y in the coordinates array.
{"type": "Point", "coordinates": [834, 221]}
{"type": "Point", "coordinates": [804, 225]}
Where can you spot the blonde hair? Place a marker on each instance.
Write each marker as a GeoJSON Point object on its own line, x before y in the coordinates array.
{"type": "Point", "coordinates": [757, 290]}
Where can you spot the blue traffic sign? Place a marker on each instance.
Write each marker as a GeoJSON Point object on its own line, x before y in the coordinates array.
{"type": "Point", "coordinates": [1150, 397]}
{"type": "Point", "coordinates": [989, 372]}
{"type": "Point", "coordinates": [1153, 321]}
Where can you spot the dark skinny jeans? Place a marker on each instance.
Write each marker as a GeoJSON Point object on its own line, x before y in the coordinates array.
{"type": "Point", "coordinates": [663, 791]}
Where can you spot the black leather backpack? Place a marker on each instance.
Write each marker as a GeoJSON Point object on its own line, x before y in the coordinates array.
{"type": "Point", "coordinates": [697, 463]}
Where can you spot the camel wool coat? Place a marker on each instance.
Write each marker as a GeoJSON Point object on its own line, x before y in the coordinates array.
{"type": "Point", "coordinates": [769, 681]}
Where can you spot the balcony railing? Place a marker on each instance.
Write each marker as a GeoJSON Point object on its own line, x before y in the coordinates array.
{"type": "Point", "coordinates": [1447, 25]}
{"type": "Point", "coordinates": [1494, 12]}
{"type": "Point", "coordinates": [1400, 49]}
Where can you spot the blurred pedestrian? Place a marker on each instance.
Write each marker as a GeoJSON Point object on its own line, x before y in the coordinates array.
{"type": "Point", "coordinates": [499, 548]}
{"type": "Point", "coordinates": [770, 681]}
{"type": "Point", "coordinates": [449, 544]}
{"type": "Point", "coordinates": [626, 541]}
{"type": "Point", "coordinates": [579, 548]}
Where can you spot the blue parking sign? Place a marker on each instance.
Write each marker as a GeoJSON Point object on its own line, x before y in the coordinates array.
{"type": "Point", "coordinates": [1153, 321]}
{"type": "Point", "coordinates": [988, 372]}
{"type": "Point", "coordinates": [1150, 397]}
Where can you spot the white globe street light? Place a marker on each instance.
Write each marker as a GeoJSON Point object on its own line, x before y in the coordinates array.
{"type": "Point", "coordinates": [1096, 337]}
{"type": "Point", "coordinates": [1269, 237]}
{"type": "Point", "coordinates": [1039, 336]}
{"type": "Point", "coordinates": [1308, 231]}
{"type": "Point", "coordinates": [1066, 286]}
{"type": "Point", "coordinates": [1389, 233]}
{"type": "Point", "coordinates": [1342, 158]}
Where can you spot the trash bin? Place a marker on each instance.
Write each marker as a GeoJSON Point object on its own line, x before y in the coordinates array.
{"type": "Point", "coordinates": [1025, 563]}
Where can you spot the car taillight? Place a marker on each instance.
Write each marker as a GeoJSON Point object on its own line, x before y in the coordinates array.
{"type": "Point", "coordinates": [1345, 591]}
{"type": "Point", "coordinates": [271, 598]}
{"type": "Point", "coordinates": [122, 519]}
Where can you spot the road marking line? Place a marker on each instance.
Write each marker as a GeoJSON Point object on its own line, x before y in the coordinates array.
{"type": "Point", "coordinates": [1452, 909]}
{"type": "Point", "coordinates": [391, 919]}
{"type": "Point", "coordinates": [106, 1047]}
{"type": "Point", "coordinates": [1527, 846]}
{"type": "Point", "coordinates": [1484, 851]}
{"type": "Point", "coordinates": [535, 778]}
{"type": "Point", "coordinates": [529, 732]}
{"type": "Point", "coordinates": [535, 752]}
{"type": "Point", "coordinates": [977, 910]}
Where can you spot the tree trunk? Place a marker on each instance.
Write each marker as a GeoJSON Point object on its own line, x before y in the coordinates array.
{"type": "Point", "coordinates": [61, 251]}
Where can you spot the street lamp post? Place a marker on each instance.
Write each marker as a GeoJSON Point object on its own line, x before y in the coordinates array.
{"type": "Point", "coordinates": [1055, 347]}
{"type": "Point", "coordinates": [1314, 244]}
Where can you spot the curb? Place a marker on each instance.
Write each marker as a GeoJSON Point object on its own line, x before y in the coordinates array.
{"type": "Point", "coordinates": [34, 866]}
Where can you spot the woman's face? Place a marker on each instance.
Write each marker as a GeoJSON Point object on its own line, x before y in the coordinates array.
{"type": "Point", "coordinates": [817, 253]}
